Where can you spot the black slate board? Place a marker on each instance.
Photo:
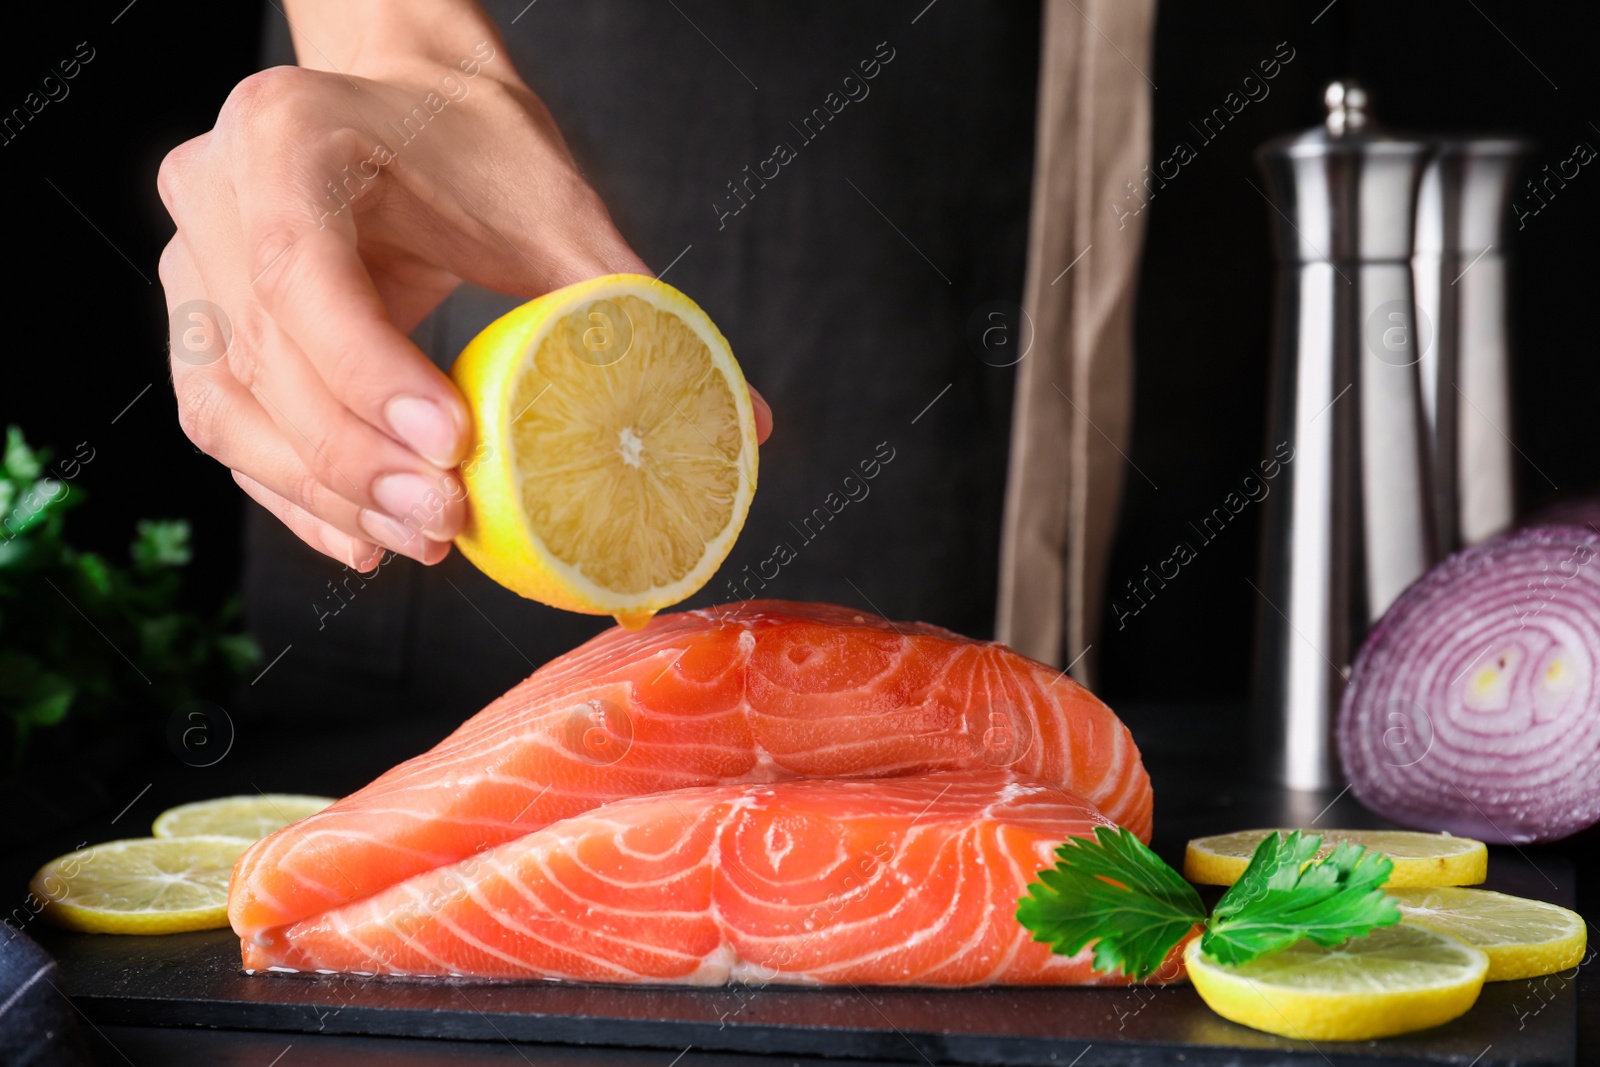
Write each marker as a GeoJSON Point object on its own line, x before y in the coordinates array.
{"type": "Point", "coordinates": [194, 980]}
{"type": "Point", "coordinates": [132, 984]}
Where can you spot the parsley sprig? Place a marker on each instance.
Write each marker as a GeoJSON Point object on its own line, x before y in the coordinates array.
{"type": "Point", "coordinates": [1117, 894]}
{"type": "Point", "coordinates": [82, 634]}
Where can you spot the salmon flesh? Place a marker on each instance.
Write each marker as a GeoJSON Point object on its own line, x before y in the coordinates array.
{"type": "Point", "coordinates": [757, 792]}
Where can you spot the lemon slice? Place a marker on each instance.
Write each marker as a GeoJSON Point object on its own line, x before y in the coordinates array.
{"type": "Point", "coordinates": [149, 885]}
{"type": "Point", "coordinates": [1419, 859]}
{"type": "Point", "coordinates": [249, 817]}
{"type": "Point", "coordinates": [1522, 938]}
{"type": "Point", "coordinates": [615, 456]}
{"type": "Point", "coordinates": [1396, 979]}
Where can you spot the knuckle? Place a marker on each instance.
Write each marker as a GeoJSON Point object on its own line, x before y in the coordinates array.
{"type": "Point", "coordinates": [167, 268]}
{"type": "Point", "coordinates": [502, 99]}
{"type": "Point", "coordinates": [319, 444]}
{"type": "Point", "coordinates": [284, 113]}
{"type": "Point", "coordinates": [312, 494]}
{"type": "Point", "coordinates": [245, 348]}
{"type": "Point", "coordinates": [323, 469]}
{"type": "Point", "coordinates": [176, 173]}
{"type": "Point", "coordinates": [275, 255]}
{"type": "Point", "coordinates": [200, 413]}
{"type": "Point", "coordinates": [266, 98]}
{"type": "Point", "coordinates": [303, 489]}
{"type": "Point", "coordinates": [341, 142]}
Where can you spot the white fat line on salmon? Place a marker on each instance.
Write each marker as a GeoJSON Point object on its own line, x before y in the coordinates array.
{"type": "Point", "coordinates": [869, 866]}
{"type": "Point", "coordinates": [425, 907]}
{"type": "Point", "coordinates": [1255, 489]}
{"type": "Point", "coordinates": [810, 128]}
{"type": "Point", "coordinates": [932, 802]}
{"type": "Point", "coordinates": [518, 817]}
{"type": "Point", "coordinates": [770, 968]}
{"type": "Point", "coordinates": [296, 829]}
{"type": "Point", "coordinates": [855, 490]}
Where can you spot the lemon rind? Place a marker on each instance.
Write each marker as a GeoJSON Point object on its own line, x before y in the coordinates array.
{"type": "Point", "coordinates": [163, 822]}
{"type": "Point", "coordinates": [76, 917]}
{"type": "Point", "coordinates": [553, 581]}
{"type": "Point", "coordinates": [1335, 1015]}
{"type": "Point", "coordinates": [1467, 867]}
{"type": "Point", "coordinates": [1509, 961]}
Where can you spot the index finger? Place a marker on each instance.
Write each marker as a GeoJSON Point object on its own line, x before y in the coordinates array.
{"type": "Point", "coordinates": [308, 274]}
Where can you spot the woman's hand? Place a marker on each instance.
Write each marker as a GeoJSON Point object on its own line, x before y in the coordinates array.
{"type": "Point", "coordinates": [327, 214]}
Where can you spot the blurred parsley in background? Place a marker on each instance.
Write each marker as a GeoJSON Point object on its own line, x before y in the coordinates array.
{"type": "Point", "coordinates": [150, 655]}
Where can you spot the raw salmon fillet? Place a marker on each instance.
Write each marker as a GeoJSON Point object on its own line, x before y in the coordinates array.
{"type": "Point", "coordinates": [909, 881]}
{"type": "Point", "coordinates": [757, 692]}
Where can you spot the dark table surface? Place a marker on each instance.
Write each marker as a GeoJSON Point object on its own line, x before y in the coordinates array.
{"type": "Point", "coordinates": [181, 1002]}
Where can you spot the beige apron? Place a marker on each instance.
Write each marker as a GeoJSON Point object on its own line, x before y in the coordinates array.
{"type": "Point", "coordinates": [1074, 388]}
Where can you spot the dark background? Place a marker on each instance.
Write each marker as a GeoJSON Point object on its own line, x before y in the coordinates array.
{"type": "Point", "coordinates": [88, 326]}
{"type": "Point", "coordinates": [87, 321]}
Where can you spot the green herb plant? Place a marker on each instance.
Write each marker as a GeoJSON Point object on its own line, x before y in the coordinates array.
{"type": "Point", "coordinates": [81, 635]}
{"type": "Point", "coordinates": [1117, 894]}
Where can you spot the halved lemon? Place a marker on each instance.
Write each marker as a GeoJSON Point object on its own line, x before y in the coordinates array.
{"type": "Point", "coordinates": [148, 885]}
{"type": "Point", "coordinates": [249, 817]}
{"type": "Point", "coordinates": [1394, 980]}
{"type": "Point", "coordinates": [1419, 859]}
{"type": "Point", "coordinates": [615, 451]}
{"type": "Point", "coordinates": [1522, 938]}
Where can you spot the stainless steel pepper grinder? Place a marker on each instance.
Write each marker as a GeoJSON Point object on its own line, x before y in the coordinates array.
{"type": "Point", "coordinates": [1459, 270]}
{"type": "Point", "coordinates": [1349, 523]}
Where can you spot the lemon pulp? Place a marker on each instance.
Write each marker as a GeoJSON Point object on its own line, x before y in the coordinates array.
{"type": "Point", "coordinates": [1419, 859]}
{"type": "Point", "coordinates": [1394, 980]}
{"type": "Point", "coordinates": [616, 453]}
{"type": "Point", "coordinates": [147, 885]}
{"type": "Point", "coordinates": [250, 817]}
{"type": "Point", "coordinates": [1522, 938]}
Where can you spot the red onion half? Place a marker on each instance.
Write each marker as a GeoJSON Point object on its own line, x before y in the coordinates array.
{"type": "Point", "coordinates": [1474, 705]}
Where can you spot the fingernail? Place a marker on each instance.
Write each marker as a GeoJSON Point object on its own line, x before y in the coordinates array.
{"type": "Point", "coordinates": [390, 534]}
{"type": "Point", "coordinates": [397, 538]}
{"type": "Point", "coordinates": [340, 545]}
{"type": "Point", "coordinates": [418, 505]}
{"type": "Point", "coordinates": [426, 427]}
{"type": "Point", "coordinates": [411, 500]}
{"type": "Point", "coordinates": [763, 410]}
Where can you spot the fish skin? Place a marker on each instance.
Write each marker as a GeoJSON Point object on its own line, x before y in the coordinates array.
{"type": "Point", "coordinates": [761, 691]}
{"type": "Point", "coordinates": [905, 881]}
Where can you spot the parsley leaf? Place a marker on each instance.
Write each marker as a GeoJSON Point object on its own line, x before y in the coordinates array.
{"type": "Point", "coordinates": [20, 461]}
{"type": "Point", "coordinates": [57, 678]}
{"type": "Point", "coordinates": [1274, 864]}
{"type": "Point", "coordinates": [1117, 893]}
{"type": "Point", "coordinates": [160, 544]}
{"type": "Point", "coordinates": [1329, 901]}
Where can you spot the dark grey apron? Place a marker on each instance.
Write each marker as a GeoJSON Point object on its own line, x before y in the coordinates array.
{"type": "Point", "coordinates": [853, 237]}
